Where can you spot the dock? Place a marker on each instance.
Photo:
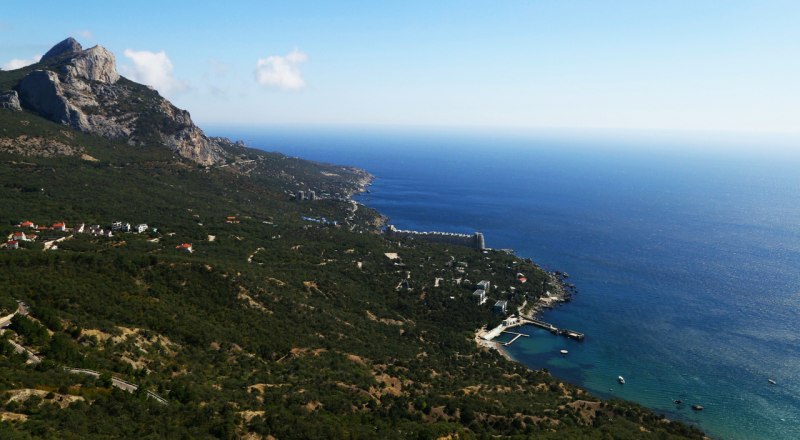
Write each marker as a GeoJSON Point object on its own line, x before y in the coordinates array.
{"type": "Point", "coordinates": [517, 322]}
{"type": "Point", "coordinates": [572, 334]}
{"type": "Point", "coordinates": [516, 336]}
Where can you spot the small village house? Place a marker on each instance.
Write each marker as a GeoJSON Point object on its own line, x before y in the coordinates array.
{"type": "Point", "coordinates": [184, 247]}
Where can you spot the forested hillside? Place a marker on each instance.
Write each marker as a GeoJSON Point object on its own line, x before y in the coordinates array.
{"type": "Point", "coordinates": [283, 319]}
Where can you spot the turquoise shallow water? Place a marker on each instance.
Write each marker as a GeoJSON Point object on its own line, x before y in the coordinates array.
{"type": "Point", "coordinates": [686, 259]}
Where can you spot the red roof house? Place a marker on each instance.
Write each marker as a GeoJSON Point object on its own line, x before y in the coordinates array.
{"type": "Point", "coordinates": [60, 226]}
{"type": "Point", "coordinates": [12, 244]}
{"type": "Point", "coordinates": [184, 247]}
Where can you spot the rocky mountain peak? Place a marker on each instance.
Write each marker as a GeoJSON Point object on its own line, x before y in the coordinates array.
{"type": "Point", "coordinates": [94, 64]}
{"type": "Point", "coordinates": [82, 89]}
{"type": "Point", "coordinates": [66, 47]}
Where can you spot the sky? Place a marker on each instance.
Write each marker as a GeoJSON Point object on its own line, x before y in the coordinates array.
{"type": "Point", "coordinates": [699, 65]}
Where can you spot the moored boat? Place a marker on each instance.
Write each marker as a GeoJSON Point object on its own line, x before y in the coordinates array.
{"type": "Point", "coordinates": [621, 380]}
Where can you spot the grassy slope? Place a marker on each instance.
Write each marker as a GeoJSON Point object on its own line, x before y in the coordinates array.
{"type": "Point", "coordinates": [313, 345]}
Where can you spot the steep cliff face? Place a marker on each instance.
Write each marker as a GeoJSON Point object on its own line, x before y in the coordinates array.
{"type": "Point", "coordinates": [82, 89]}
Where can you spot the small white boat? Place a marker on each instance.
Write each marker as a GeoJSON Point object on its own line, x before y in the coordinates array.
{"type": "Point", "coordinates": [564, 352]}
{"type": "Point", "coordinates": [772, 382]}
{"type": "Point", "coordinates": [621, 380]}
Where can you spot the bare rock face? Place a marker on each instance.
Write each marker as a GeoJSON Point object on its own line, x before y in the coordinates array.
{"type": "Point", "coordinates": [67, 47]}
{"type": "Point", "coordinates": [41, 89]}
{"type": "Point", "coordinates": [95, 64]}
{"type": "Point", "coordinates": [85, 92]}
{"type": "Point", "coordinates": [10, 100]}
{"type": "Point", "coordinates": [189, 140]}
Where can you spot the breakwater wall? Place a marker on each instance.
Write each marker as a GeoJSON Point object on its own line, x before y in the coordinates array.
{"type": "Point", "coordinates": [469, 240]}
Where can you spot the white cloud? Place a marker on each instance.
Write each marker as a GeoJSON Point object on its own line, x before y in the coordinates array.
{"type": "Point", "coordinates": [153, 69]}
{"type": "Point", "coordinates": [17, 63]}
{"type": "Point", "coordinates": [282, 72]}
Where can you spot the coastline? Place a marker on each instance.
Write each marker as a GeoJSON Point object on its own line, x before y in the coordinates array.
{"type": "Point", "coordinates": [617, 287]}
{"type": "Point", "coordinates": [562, 294]}
{"type": "Point", "coordinates": [562, 291]}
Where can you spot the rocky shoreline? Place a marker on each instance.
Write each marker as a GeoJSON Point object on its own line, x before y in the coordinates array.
{"type": "Point", "coordinates": [562, 293]}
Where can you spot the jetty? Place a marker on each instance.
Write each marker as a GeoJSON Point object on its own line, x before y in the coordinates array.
{"type": "Point", "coordinates": [572, 334]}
{"type": "Point", "coordinates": [516, 336]}
{"type": "Point", "coordinates": [513, 322]}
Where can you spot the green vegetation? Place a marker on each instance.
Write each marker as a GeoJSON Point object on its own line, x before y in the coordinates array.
{"type": "Point", "coordinates": [272, 326]}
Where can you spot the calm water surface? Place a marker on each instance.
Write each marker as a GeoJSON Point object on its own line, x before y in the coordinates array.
{"type": "Point", "coordinates": [687, 259]}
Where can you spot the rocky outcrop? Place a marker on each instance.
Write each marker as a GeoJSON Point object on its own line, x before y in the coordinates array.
{"type": "Point", "coordinates": [67, 47]}
{"type": "Point", "coordinates": [83, 90]}
{"type": "Point", "coordinates": [188, 139]}
{"type": "Point", "coordinates": [41, 90]}
{"type": "Point", "coordinates": [95, 64]}
{"type": "Point", "coordinates": [10, 100]}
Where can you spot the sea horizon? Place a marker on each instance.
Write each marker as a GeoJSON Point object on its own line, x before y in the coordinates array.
{"type": "Point", "coordinates": [661, 243]}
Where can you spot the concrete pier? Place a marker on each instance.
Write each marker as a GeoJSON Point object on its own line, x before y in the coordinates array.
{"type": "Point", "coordinates": [516, 336]}
{"type": "Point", "coordinates": [555, 330]}
{"type": "Point", "coordinates": [517, 322]}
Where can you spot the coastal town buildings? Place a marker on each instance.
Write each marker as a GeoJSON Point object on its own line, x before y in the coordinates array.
{"type": "Point", "coordinates": [142, 227]}
{"type": "Point", "coordinates": [480, 296]}
{"type": "Point", "coordinates": [121, 226]}
{"type": "Point", "coordinates": [475, 240]}
{"type": "Point", "coordinates": [500, 307]}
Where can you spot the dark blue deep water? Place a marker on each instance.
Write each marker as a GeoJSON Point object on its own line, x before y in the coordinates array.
{"type": "Point", "coordinates": [686, 255]}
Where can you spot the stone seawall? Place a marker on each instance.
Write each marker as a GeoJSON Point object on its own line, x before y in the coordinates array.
{"type": "Point", "coordinates": [469, 240]}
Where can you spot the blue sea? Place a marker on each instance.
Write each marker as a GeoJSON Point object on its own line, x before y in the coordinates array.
{"type": "Point", "coordinates": [685, 252]}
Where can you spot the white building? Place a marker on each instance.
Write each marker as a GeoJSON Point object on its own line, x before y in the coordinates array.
{"type": "Point", "coordinates": [141, 228]}
{"type": "Point", "coordinates": [501, 306]}
{"type": "Point", "coordinates": [511, 320]}
{"type": "Point", "coordinates": [480, 295]}
{"type": "Point", "coordinates": [121, 226]}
